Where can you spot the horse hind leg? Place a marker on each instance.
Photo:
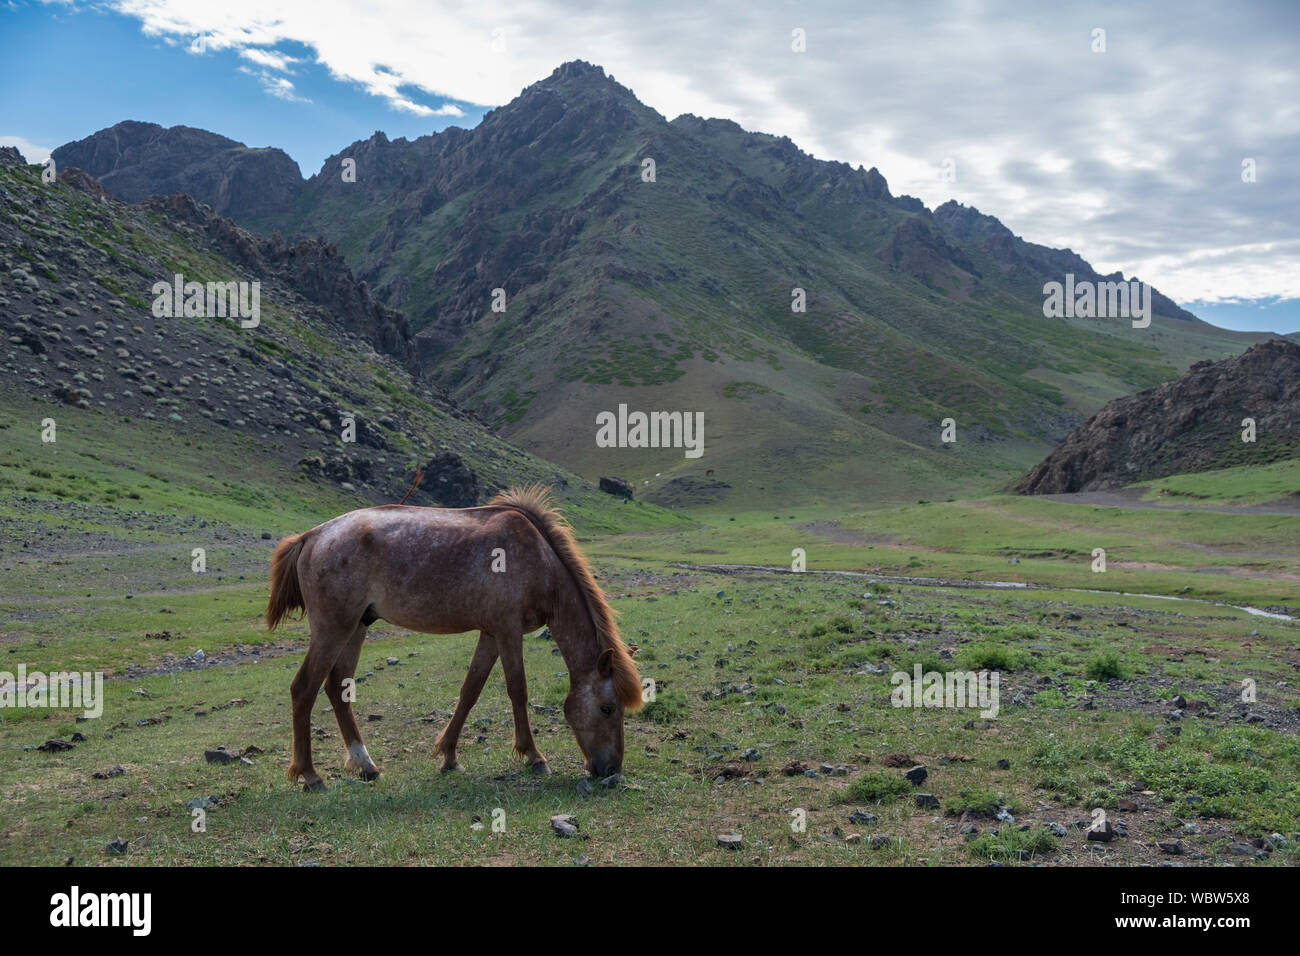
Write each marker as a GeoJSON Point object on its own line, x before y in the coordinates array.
{"type": "Point", "coordinates": [341, 688]}
{"type": "Point", "coordinates": [321, 653]}
{"type": "Point", "coordinates": [485, 656]}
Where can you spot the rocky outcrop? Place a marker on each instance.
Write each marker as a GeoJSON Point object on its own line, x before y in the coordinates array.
{"type": "Point", "coordinates": [450, 482]}
{"type": "Point", "coordinates": [1192, 424]}
{"type": "Point", "coordinates": [617, 487]}
{"type": "Point", "coordinates": [312, 267]}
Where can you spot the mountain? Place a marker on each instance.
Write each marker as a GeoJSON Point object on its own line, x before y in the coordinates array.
{"type": "Point", "coordinates": [676, 295]}
{"type": "Point", "coordinates": [133, 160]}
{"type": "Point", "coordinates": [310, 386]}
{"type": "Point", "coordinates": [1196, 423]}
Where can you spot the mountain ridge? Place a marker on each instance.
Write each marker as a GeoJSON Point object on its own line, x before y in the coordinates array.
{"type": "Point", "coordinates": [677, 292]}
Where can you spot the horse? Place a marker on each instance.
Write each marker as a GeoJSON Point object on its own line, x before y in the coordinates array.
{"type": "Point", "coordinates": [503, 569]}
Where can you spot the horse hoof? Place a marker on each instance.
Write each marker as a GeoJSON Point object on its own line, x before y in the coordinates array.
{"type": "Point", "coordinates": [317, 786]}
{"type": "Point", "coordinates": [452, 768]}
{"type": "Point", "coordinates": [369, 775]}
{"type": "Point", "coordinates": [541, 768]}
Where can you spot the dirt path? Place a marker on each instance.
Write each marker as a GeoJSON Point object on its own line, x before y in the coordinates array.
{"type": "Point", "coordinates": [1132, 498]}
{"type": "Point", "coordinates": [967, 583]}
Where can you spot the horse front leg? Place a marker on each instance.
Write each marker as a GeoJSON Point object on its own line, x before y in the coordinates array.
{"type": "Point", "coordinates": [485, 656]}
{"type": "Point", "coordinates": [512, 662]}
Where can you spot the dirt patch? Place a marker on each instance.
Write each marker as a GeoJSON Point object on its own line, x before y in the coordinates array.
{"type": "Point", "coordinates": [834, 531]}
{"type": "Point", "coordinates": [1132, 498]}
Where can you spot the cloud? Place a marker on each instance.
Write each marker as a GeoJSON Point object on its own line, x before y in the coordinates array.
{"type": "Point", "coordinates": [31, 152]}
{"type": "Point", "coordinates": [269, 59]}
{"type": "Point", "coordinates": [1132, 156]}
{"type": "Point", "coordinates": [281, 87]}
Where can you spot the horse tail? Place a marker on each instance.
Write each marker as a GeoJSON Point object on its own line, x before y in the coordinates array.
{"type": "Point", "coordinates": [534, 503]}
{"type": "Point", "coordinates": [286, 592]}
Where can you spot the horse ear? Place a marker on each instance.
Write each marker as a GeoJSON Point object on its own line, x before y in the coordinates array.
{"type": "Point", "coordinates": [633, 648]}
{"type": "Point", "coordinates": [605, 663]}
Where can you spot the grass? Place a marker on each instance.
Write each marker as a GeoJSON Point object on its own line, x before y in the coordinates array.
{"type": "Point", "coordinates": [754, 661]}
{"type": "Point", "coordinates": [1242, 485]}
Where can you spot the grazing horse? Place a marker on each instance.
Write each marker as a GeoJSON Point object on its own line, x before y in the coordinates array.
{"type": "Point", "coordinates": [503, 569]}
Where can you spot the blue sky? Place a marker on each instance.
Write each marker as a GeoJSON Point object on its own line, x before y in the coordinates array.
{"type": "Point", "coordinates": [1130, 155]}
{"type": "Point", "coordinates": [108, 71]}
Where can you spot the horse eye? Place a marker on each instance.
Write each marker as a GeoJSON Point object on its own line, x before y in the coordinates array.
{"type": "Point", "coordinates": [607, 710]}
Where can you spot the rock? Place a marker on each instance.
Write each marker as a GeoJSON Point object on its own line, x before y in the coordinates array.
{"type": "Point", "coordinates": [1004, 764]}
{"type": "Point", "coordinates": [450, 482]}
{"type": "Point", "coordinates": [201, 803]}
{"type": "Point", "coordinates": [880, 841]}
{"type": "Point", "coordinates": [1057, 830]}
{"type": "Point", "coordinates": [617, 487]}
{"type": "Point", "coordinates": [927, 801]}
{"type": "Point", "coordinates": [730, 841]}
{"type": "Point", "coordinates": [1241, 849]}
{"type": "Point", "coordinates": [118, 846]}
{"type": "Point", "coordinates": [612, 781]}
{"type": "Point", "coordinates": [861, 818]}
{"type": "Point", "coordinates": [110, 772]}
{"type": "Point", "coordinates": [199, 655]}
{"type": "Point", "coordinates": [751, 754]}
{"type": "Point", "coordinates": [392, 660]}
{"type": "Point", "coordinates": [54, 746]}
{"type": "Point", "coordinates": [1101, 830]}
{"type": "Point", "coordinates": [1172, 847]}
{"type": "Point", "coordinates": [565, 825]}
{"type": "Point", "coordinates": [794, 768]}
{"type": "Point", "coordinates": [585, 788]}
{"type": "Point", "coordinates": [220, 755]}
{"type": "Point", "coordinates": [917, 775]}
{"type": "Point", "coordinates": [897, 760]}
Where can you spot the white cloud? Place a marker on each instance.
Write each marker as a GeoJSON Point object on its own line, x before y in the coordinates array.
{"type": "Point", "coordinates": [31, 152]}
{"type": "Point", "coordinates": [269, 59]}
{"type": "Point", "coordinates": [1131, 157]}
{"type": "Point", "coordinates": [280, 87]}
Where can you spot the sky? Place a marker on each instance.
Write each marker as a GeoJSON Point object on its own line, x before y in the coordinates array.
{"type": "Point", "coordinates": [1166, 146]}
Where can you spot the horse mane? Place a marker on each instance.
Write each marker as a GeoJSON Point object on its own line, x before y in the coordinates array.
{"type": "Point", "coordinates": [534, 503]}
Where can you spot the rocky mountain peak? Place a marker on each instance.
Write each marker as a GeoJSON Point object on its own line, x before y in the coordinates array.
{"type": "Point", "coordinates": [133, 160]}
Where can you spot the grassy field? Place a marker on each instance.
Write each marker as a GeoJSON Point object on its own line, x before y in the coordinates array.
{"type": "Point", "coordinates": [760, 678]}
